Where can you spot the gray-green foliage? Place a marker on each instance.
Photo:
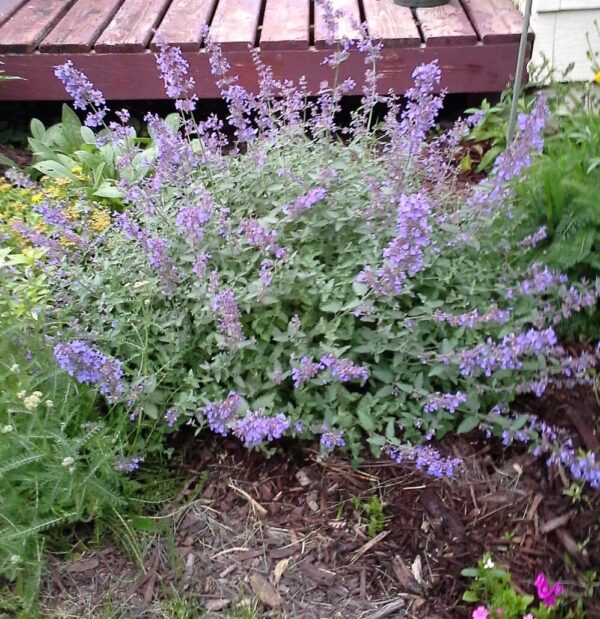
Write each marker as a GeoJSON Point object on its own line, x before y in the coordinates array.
{"type": "Point", "coordinates": [169, 336]}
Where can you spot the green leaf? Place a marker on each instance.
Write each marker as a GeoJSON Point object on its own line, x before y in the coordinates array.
{"type": "Point", "coordinates": [7, 162]}
{"type": "Point", "coordinates": [150, 409]}
{"type": "Point", "coordinates": [106, 190]}
{"type": "Point", "coordinates": [54, 169]}
{"type": "Point", "coordinates": [470, 572]}
{"type": "Point", "coordinates": [88, 136]}
{"type": "Point", "coordinates": [468, 424]}
{"type": "Point", "coordinates": [38, 131]}
{"type": "Point", "coordinates": [469, 596]}
{"type": "Point", "coordinates": [144, 524]}
{"type": "Point", "coordinates": [365, 420]}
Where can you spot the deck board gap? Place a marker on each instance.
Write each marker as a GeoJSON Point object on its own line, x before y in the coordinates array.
{"type": "Point", "coordinates": [474, 25]}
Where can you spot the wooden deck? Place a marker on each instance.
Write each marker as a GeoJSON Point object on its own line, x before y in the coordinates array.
{"type": "Point", "coordinates": [475, 41]}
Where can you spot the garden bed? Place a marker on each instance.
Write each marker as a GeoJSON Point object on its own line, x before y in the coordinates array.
{"type": "Point", "coordinates": [295, 521]}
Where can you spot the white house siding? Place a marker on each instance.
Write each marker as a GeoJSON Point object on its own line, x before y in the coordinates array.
{"type": "Point", "coordinates": [560, 28]}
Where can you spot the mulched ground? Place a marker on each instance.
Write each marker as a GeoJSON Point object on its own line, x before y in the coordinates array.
{"type": "Point", "coordinates": [284, 534]}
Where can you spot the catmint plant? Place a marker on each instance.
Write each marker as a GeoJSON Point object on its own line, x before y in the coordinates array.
{"type": "Point", "coordinates": [339, 287]}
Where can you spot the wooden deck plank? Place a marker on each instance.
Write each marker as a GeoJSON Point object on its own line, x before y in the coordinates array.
{"type": "Point", "coordinates": [8, 7]}
{"type": "Point", "coordinates": [346, 25]}
{"type": "Point", "coordinates": [78, 30]}
{"type": "Point", "coordinates": [134, 76]}
{"type": "Point", "coordinates": [183, 22]}
{"type": "Point", "coordinates": [286, 25]}
{"type": "Point", "coordinates": [130, 29]}
{"type": "Point", "coordinates": [235, 23]}
{"type": "Point", "coordinates": [24, 30]}
{"type": "Point", "coordinates": [446, 25]}
{"type": "Point", "coordinates": [391, 24]}
{"type": "Point", "coordinates": [496, 21]}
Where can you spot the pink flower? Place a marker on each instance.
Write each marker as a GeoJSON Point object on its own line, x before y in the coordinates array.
{"type": "Point", "coordinates": [500, 612]}
{"type": "Point", "coordinates": [480, 612]}
{"type": "Point", "coordinates": [547, 594]}
{"type": "Point", "coordinates": [528, 616]}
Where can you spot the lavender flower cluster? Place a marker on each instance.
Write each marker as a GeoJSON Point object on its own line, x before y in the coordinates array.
{"type": "Point", "coordinates": [507, 354]}
{"type": "Point", "coordinates": [404, 256]}
{"type": "Point", "coordinates": [425, 458]}
{"type": "Point", "coordinates": [342, 370]}
{"type": "Point", "coordinates": [254, 428]}
{"type": "Point", "coordinates": [444, 401]}
{"type": "Point", "coordinates": [90, 366]}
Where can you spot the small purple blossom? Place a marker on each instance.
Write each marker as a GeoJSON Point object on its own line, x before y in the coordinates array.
{"type": "Point", "coordinates": [229, 315]}
{"type": "Point", "coordinates": [84, 95]}
{"type": "Point", "coordinates": [305, 202]}
{"type": "Point", "coordinates": [190, 221]}
{"type": "Point", "coordinates": [306, 371]}
{"type": "Point", "coordinates": [424, 458]}
{"type": "Point", "coordinates": [200, 264]}
{"type": "Point", "coordinates": [258, 236]}
{"type": "Point", "coordinates": [444, 401]}
{"type": "Point", "coordinates": [404, 256]}
{"type": "Point", "coordinates": [88, 365]}
{"type": "Point", "coordinates": [344, 370]}
{"type": "Point", "coordinates": [219, 415]}
{"type": "Point", "coordinates": [330, 439]}
{"type": "Point", "coordinates": [535, 238]}
{"type": "Point", "coordinates": [489, 356]}
{"type": "Point", "coordinates": [255, 428]}
{"type": "Point", "coordinates": [171, 416]}
{"type": "Point", "coordinates": [174, 71]}
{"type": "Point", "coordinates": [128, 465]}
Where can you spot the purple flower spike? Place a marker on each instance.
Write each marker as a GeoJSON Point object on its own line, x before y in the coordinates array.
{"type": "Point", "coordinates": [330, 439]}
{"type": "Point", "coordinates": [90, 366]}
{"type": "Point", "coordinates": [255, 428]}
{"type": "Point", "coordinates": [83, 92]}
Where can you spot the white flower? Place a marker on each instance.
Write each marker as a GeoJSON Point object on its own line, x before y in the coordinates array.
{"type": "Point", "coordinates": [32, 401]}
{"type": "Point", "coordinates": [489, 564]}
{"type": "Point", "coordinates": [14, 368]}
{"type": "Point", "coordinates": [49, 403]}
{"type": "Point", "coordinates": [139, 284]}
{"type": "Point", "coordinates": [68, 461]}
{"type": "Point", "coordinates": [15, 558]}
{"type": "Point", "coordinates": [6, 429]}
{"type": "Point", "coordinates": [21, 394]}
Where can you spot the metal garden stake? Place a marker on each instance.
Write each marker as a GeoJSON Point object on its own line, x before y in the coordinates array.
{"type": "Point", "coordinates": [512, 121]}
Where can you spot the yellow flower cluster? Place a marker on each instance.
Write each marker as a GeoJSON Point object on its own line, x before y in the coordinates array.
{"type": "Point", "coordinates": [99, 220]}
{"type": "Point", "coordinates": [17, 205]}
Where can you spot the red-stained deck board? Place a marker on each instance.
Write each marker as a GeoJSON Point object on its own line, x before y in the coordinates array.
{"type": "Point", "coordinates": [130, 29]}
{"type": "Point", "coordinates": [183, 22]}
{"type": "Point", "coordinates": [8, 7]}
{"type": "Point", "coordinates": [391, 24]}
{"type": "Point", "coordinates": [346, 26]}
{"type": "Point", "coordinates": [286, 25]}
{"type": "Point", "coordinates": [446, 25]}
{"type": "Point", "coordinates": [78, 30]}
{"type": "Point", "coordinates": [134, 76]}
{"type": "Point", "coordinates": [496, 21]}
{"type": "Point", "coordinates": [24, 30]}
{"type": "Point", "coordinates": [235, 23]}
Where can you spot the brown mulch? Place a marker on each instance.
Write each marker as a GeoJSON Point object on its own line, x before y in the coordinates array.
{"type": "Point", "coordinates": [285, 531]}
